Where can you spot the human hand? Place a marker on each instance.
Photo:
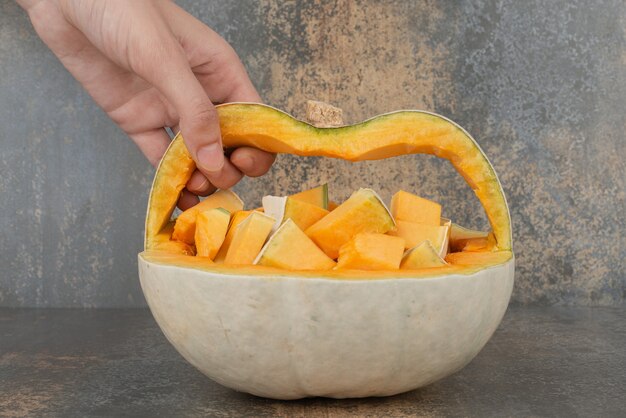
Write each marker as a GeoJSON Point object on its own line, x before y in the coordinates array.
{"type": "Point", "coordinates": [151, 65]}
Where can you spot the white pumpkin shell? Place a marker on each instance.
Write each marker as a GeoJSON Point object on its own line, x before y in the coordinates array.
{"type": "Point", "coordinates": [288, 337]}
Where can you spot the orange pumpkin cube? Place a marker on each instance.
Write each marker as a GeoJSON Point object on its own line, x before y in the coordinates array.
{"type": "Point", "coordinates": [290, 248]}
{"type": "Point", "coordinates": [371, 252]}
{"type": "Point", "coordinates": [362, 212]}
{"type": "Point", "coordinates": [248, 239]}
{"type": "Point", "coordinates": [185, 226]}
{"type": "Point", "coordinates": [211, 227]}
{"type": "Point", "coordinates": [412, 208]}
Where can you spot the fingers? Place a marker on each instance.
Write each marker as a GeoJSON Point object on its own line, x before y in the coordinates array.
{"type": "Point", "coordinates": [200, 185]}
{"type": "Point", "coordinates": [198, 118]}
{"type": "Point", "coordinates": [212, 59]}
{"type": "Point", "coordinates": [152, 143]}
{"type": "Point", "coordinates": [189, 65]}
{"type": "Point", "coordinates": [200, 129]}
{"type": "Point", "coordinates": [251, 161]}
{"type": "Point", "coordinates": [225, 79]}
{"type": "Point", "coordinates": [144, 111]}
{"type": "Point", "coordinates": [227, 177]}
{"type": "Point", "coordinates": [187, 200]}
{"type": "Point", "coordinates": [243, 161]}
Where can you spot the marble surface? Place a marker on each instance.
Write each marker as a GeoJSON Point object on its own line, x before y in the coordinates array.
{"type": "Point", "coordinates": [557, 362]}
{"type": "Point", "coordinates": [540, 85]}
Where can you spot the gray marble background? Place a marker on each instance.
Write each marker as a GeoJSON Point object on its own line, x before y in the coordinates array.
{"type": "Point", "coordinates": [540, 84]}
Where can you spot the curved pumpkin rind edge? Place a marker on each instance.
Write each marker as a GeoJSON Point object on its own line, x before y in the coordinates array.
{"type": "Point", "coordinates": [503, 244]}
{"type": "Point", "coordinates": [270, 273]}
{"type": "Point", "coordinates": [156, 194]}
{"type": "Point", "coordinates": [493, 170]}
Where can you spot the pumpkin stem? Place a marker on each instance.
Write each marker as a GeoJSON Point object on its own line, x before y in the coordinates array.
{"type": "Point", "coordinates": [323, 115]}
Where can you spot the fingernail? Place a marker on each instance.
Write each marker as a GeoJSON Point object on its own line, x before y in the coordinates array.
{"type": "Point", "coordinates": [211, 157]}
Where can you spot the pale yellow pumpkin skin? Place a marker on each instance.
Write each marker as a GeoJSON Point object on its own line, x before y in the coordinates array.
{"type": "Point", "coordinates": [287, 335]}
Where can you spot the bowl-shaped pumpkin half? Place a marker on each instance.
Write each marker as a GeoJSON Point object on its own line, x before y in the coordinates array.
{"type": "Point", "coordinates": [287, 334]}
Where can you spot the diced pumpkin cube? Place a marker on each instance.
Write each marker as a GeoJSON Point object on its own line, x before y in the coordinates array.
{"type": "Point", "coordinates": [249, 237]}
{"type": "Point", "coordinates": [364, 211]}
{"type": "Point", "coordinates": [487, 243]}
{"type": "Point", "coordinates": [317, 196]}
{"type": "Point", "coordinates": [211, 227]}
{"type": "Point", "coordinates": [185, 226]}
{"type": "Point", "coordinates": [368, 251]}
{"type": "Point", "coordinates": [290, 248]}
{"type": "Point", "coordinates": [415, 233]}
{"type": "Point", "coordinates": [478, 258]}
{"type": "Point", "coordinates": [460, 236]}
{"type": "Point", "coordinates": [302, 213]}
{"type": "Point", "coordinates": [163, 242]}
{"type": "Point", "coordinates": [235, 220]}
{"type": "Point", "coordinates": [174, 247]}
{"type": "Point", "coordinates": [474, 244]}
{"type": "Point", "coordinates": [412, 208]}
{"type": "Point", "coordinates": [422, 256]}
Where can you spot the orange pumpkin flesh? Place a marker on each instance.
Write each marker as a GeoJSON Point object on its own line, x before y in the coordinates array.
{"type": "Point", "coordinates": [162, 242]}
{"type": "Point", "coordinates": [366, 251]}
{"type": "Point", "coordinates": [185, 226]}
{"type": "Point", "coordinates": [211, 228]}
{"type": "Point", "coordinates": [302, 213]}
{"type": "Point", "coordinates": [248, 239]}
{"type": "Point", "coordinates": [393, 134]}
{"type": "Point", "coordinates": [411, 208]}
{"type": "Point", "coordinates": [465, 263]}
{"type": "Point", "coordinates": [362, 212]}
{"type": "Point", "coordinates": [290, 248]}
{"type": "Point", "coordinates": [424, 255]}
{"type": "Point", "coordinates": [235, 220]}
{"type": "Point", "coordinates": [317, 196]}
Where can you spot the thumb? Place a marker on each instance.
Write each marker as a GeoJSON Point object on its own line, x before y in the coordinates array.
{"type": "Point", "coordinates": [199, 125]}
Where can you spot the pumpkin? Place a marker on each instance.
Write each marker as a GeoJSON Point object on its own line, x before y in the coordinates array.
{"type": "Point", "coordinates": [283, 333]}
